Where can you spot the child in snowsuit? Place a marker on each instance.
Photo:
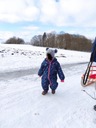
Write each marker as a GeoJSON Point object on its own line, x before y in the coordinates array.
{"type": "Point", "coordinates": [49, 69]}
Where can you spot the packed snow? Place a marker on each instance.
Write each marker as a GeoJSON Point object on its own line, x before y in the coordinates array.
{"type": "Point", "coordinates": [21, 102]}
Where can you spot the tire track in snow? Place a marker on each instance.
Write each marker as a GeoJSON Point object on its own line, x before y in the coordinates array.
{"type": "Point", "coordinates": [20, 73]}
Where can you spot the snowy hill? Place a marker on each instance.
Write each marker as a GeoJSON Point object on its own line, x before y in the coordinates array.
{"type": "Point", "coordinates": [27, 56]}
{"type": "Point", "coordinates": [21, 102]}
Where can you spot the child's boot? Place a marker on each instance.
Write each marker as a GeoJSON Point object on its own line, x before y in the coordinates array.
{"type": "Point", "coordinates": [53, 91]}
{"type": "Point", "coordinates": [44, 92]}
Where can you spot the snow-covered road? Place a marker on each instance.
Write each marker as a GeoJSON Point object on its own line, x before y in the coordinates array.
{"type": "Point", "coordinates": [30, 71]}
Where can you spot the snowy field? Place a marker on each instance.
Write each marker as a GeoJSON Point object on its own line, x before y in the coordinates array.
{"type": "Point", "coordinates": [26, 56]}
{"type": "Point", "coordinates": [21, 102]}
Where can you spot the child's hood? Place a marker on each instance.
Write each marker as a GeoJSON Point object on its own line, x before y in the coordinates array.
{"type": "Point", "coordinates": [51, 51]}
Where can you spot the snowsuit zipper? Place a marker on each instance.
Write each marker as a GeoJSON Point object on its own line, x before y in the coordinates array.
{"type": "Point", "coordinates": [49, 73]}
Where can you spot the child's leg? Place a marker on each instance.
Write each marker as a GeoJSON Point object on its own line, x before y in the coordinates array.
{"type": "Point", "coordinates": [54, 85]}
{"type": "Point", "coordinates": [45, 85]}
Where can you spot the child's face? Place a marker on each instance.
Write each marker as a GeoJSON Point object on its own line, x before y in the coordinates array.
{"type": "Point", "coordinates": [49, 57]}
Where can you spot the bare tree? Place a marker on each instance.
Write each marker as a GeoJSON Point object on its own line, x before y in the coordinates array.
{"type": "Point", "coordinates": [44, 38]}
{"type": "Point", "coordinates": [37, 40]}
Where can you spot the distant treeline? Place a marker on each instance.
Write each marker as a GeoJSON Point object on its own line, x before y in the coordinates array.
{"type": "Point", "coordinates": [14, 40]}
{"type": "Point", "coordinates": [64, 41]}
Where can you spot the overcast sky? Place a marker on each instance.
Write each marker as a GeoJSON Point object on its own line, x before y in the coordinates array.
{"type": "Point", "coordinates": [25, 18]}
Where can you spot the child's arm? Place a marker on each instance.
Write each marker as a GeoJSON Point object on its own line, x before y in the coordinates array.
{"type": "Point", "coordinates": [41, 70]}
{"type": "Point", "coordinates": [60, 72]}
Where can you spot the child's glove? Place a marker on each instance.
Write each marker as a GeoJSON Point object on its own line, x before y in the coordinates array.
{"type": "Point", "coordinates": [62, 80]}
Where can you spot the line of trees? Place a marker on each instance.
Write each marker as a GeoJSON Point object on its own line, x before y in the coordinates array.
{"type": "Point", "coordinates": [62, 40]}
{"type": "Point", "coordinates": [66, 41]}
{"type": "Point", "coordinates": [15, 40]}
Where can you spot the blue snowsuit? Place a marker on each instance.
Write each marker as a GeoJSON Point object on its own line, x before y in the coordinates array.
{"type": "Point", "coordinates": [49, 71]}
